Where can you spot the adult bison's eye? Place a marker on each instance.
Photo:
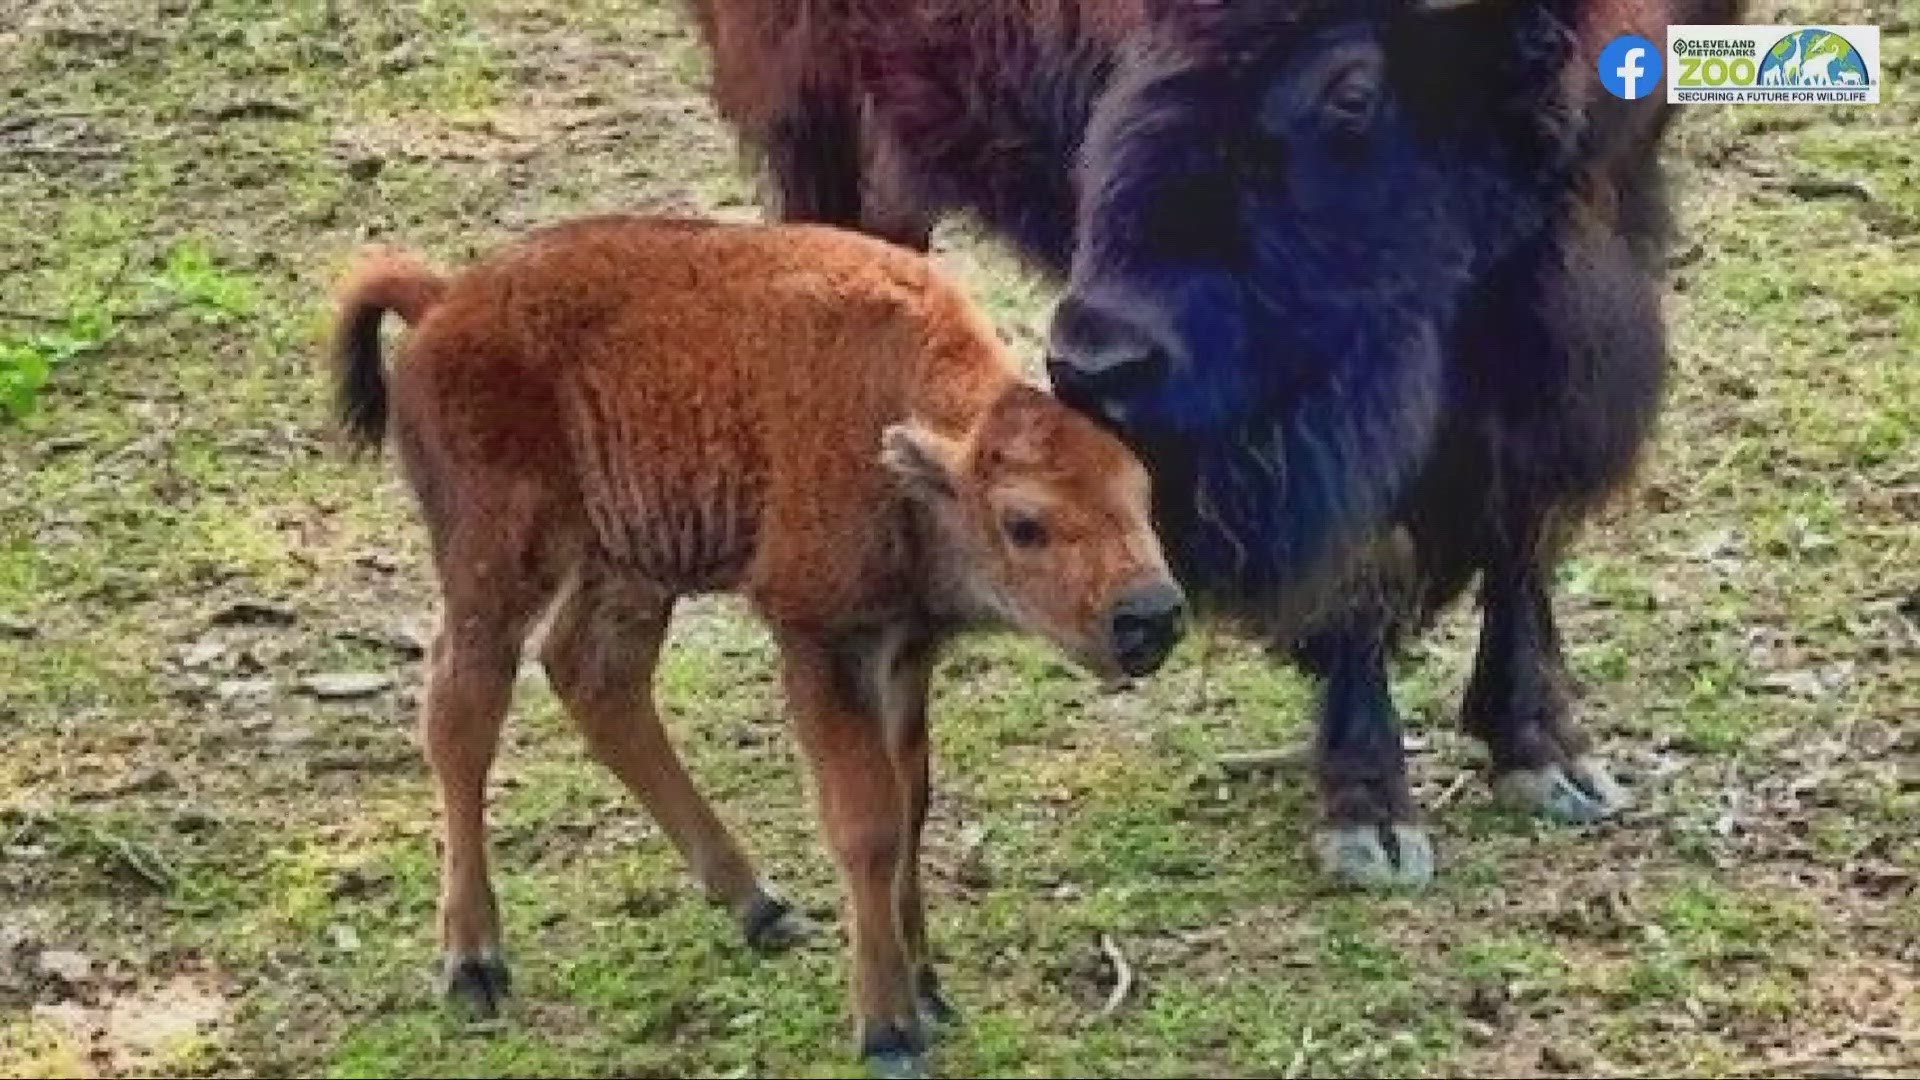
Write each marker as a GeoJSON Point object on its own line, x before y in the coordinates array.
{"type": "Point", "coordinates": [1336, 90]}
{"type": "Point", "coordinates": [1024, 530]}
{"type": "Point", "coordinates": [1350, 98]}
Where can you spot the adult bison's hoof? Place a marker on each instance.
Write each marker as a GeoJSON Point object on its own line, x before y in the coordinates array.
{"type": "Point", "coordinates": [1579, 793]}
{"type": "Point", "coordinates": [900, 1065]}
{"type": "Point", "coordinates": [1397, 855]}
{"type": "Point", "coordinates": [476, 987]}
{"type": "Point", "coordinates": [893, 1052]}
{"type": "Point", "coordinates": [771, 925]}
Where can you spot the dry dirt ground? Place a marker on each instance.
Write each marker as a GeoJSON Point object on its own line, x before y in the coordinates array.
{"type": "Point", "coordinates": [216, 850]}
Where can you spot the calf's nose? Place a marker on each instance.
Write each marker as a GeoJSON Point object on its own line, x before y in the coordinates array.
{"type": "Point", "coordinates": [1147, 622]}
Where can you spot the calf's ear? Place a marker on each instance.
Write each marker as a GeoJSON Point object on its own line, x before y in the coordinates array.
{"type": "Point", "coordinates": [925, 463]}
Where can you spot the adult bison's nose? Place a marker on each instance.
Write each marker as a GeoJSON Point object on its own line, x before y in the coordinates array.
{"type": "Point", "coordinates": [1095, 353]}
{"type": "Point", "coordinates": [1146, 624]}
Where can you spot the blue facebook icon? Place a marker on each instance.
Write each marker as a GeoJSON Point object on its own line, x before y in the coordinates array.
{"type": "Point", "coordinates": [1630, 67]}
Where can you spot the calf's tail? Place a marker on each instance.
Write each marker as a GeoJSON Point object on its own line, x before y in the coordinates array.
{"type": "Point", "coordinates": [380, 281]}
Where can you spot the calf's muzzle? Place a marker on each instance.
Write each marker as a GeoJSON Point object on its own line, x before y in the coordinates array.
{"type": "Point", "coordinates": [1146, 623]}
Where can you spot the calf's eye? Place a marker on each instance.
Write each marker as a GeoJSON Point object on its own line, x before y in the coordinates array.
{"type": "Point", "coordinates": [1024, 530]}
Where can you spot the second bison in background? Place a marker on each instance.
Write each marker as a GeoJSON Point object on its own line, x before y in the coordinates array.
{"type": "Point", "coordinates": [620, 412]}
{"type": "Point", "coordinates": [1373, 286]}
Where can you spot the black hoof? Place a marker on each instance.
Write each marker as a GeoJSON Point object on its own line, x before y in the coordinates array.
{"type": "Point", "coordinates": [893, 1052]}
{"type": "Point", "coordinates": [476, 988]}
{"type": "Point", "coordinates": [1398, 855]}
{"type": "Point", "coordinates": [771, 925]}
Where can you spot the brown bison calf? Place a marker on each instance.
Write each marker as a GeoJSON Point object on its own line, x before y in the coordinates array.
{"type": "Point", "coordinates": [620, 411]}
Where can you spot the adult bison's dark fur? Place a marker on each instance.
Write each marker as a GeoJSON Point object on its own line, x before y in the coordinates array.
{"type": "Point", "coordinates": [1373, 285]}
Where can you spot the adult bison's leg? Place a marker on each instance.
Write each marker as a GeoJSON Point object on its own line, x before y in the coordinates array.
{"type": "Point", "coordinates": [890, 205]}
{"type": "Point", "coordinates": [829, 164]}
{"type": "Point", "coordinates": [813, 160]}
{"type": "Point", "coordinates": [1370, 836]}
{"type": "Point", "coordinates": [863, 812]}
{"type": "Point", "coordinates": [1520, 697]}
{"type": "Point", "coordinates": [1573, 354]}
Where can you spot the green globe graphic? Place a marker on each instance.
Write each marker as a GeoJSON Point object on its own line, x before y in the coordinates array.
{"type": "Point", "coordinates": [1813, 57]}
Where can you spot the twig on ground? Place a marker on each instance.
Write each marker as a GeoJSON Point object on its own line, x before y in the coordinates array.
{"type": "Point", "coordinates": [47, 150]}
{"type": "Point", "coordinates": [147, 864]}
{"type": "Point", "coordinates": [34, 317]}
{"type": "Point", "coordinates": [28, 820]}
{"type": "Point", "coordinates": [1835, 1066]}
{"type": "Point", "coordinates": [27, 121]}
{"type": "Point", "coordinates": [1123, 976]}
{"type": "Point", "coordinates": [1452, 791]}
{"type": "Point", "coordinates": [44, 319]}
{"type": "Point", "coordinates": [1297, 1066]}
{"type": "Point", "coordinates": [116, 319]}
{"type": "Point", "coordinates": [1241, 763]}
{"type": "Point", "coordinates": [138, 857]}
{"type": "Point", "coordinates": [1817, 187]}
{"type": "Point", "coordinates": [1825, 1055]}
{"type": "Point", "coordinates": [1886, 1034]}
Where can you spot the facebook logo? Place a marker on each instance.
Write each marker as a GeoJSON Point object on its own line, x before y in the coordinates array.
{"type": "Point", "coordinates": [1630, 67]}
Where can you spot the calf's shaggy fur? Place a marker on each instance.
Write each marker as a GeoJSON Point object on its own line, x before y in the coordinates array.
{"type": "Point", "coordinates": [618, 412]}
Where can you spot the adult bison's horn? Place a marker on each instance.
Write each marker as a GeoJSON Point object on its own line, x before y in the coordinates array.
{"type": "Point", "coordinates": [1094, 351]}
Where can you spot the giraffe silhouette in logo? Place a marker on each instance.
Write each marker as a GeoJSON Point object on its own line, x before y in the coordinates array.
{"type": "Point", "coordinates": [1790, 70]}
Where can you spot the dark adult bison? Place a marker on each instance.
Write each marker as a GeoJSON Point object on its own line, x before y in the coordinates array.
{"type": "Point", "coordinates": [1372, 285]}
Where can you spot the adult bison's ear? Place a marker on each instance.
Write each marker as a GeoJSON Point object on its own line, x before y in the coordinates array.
{"type": "Point", "coordinates": [924, 463]}
{"type": "Point", "coordinates": [1515, 62]}
{"type": "Point", "coordinates": [1547, 79]}
{"type": "Point", "coordinates": [1188, 18]}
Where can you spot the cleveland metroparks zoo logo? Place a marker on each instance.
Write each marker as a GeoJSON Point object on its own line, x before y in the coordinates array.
{"type": "Point", "coordinates": [1774, 65]}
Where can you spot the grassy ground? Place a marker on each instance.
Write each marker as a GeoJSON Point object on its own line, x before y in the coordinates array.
{"type": "Point", "coordinates": [204, 868]}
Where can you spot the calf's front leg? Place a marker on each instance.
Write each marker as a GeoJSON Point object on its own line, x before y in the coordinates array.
{"type": "Point", "coordinates": [904, 671]}
{"type": "Point", "coordinates": [864, 813]}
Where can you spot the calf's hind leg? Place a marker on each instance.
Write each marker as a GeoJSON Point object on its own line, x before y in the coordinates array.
{"type": "Point", "coordinates": [600, 654]}
{"type": "Point", "coordinates": [474, 659]}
